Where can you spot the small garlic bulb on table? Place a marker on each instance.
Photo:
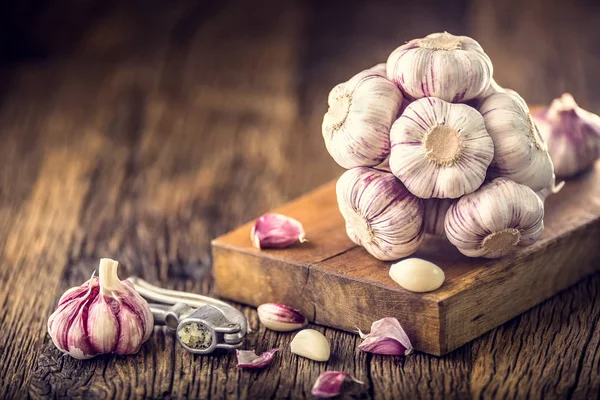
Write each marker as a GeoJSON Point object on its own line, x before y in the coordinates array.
{"type": "Point", "coordinates": [499, 217]}
{"type": "Point", "coordinates": [520, 152]}
{"type": "Point", "coordinates": [381, 214]}
{"type": "Point", "coordinates": [357, 125]}
{"type": "Point", "coordinates": [440, 149]}
{"type": "Point", "coordinates": [452, 68]}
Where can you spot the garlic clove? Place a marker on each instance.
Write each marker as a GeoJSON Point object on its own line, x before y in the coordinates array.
{"type": "Point", "coordinates": [452, 68]}
{"type": "Point", "coordinates": [102, 325]}
{"type": "Point", "coordinates": [495, 220]}
{"type": "Point", "coordinates": [440, 149]}
{"type": "Point", "coordinates": [520, 152]}
{"type": "Point", "coordinates": [311, 344]}
{"type": "Point", "coordinates": [329, 384]}
{"type": "Point", "coordinates": [572, 134]}
{"type": "Point", "coordinates": [417, 275]}
{"type": "Point", "coordinates": [381, 214]}
{"type": "Point", "coordinates": [276, 231]}
{"type": "Point", "coordinates": [435, 215]}
{"type": "Point", "coordinates": [386, 337]}
{"type": "Point", "coordinates": [280, 318]}
{"type": "Point", "coordinates": [249, 359]}
{"type": "Point", "coordinates": [357, 124]}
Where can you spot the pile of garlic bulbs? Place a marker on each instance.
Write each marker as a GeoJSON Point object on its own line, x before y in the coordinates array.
{"type": "Point", "coordinates": [433, 145]}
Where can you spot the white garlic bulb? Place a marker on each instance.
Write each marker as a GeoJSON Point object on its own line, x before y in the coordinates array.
{"type": "Point", "coordinates": [357, 125]}
{"type": "Point", "coordinates": [499, 217]}
{"type": "Point", "coordinates": [572, 134]}
{"type": "Point", "coordinates": [452, 68]}
{"type": "Point", "coordinates": [381, 214]}
{"type": "Point", "coordinates": [520, 152]}
{"type": "Point", "coordinates": [435, 215]}
{"type": "Point", "coordinates": [440, 149]}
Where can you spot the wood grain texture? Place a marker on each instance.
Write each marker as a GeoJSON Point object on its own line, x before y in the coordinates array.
{"type": "Point", "coordinates": [142, 130]}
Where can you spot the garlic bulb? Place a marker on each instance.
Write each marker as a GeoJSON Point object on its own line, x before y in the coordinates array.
{"type": "Point", "coordinates": [551, 189]}
{"type": "Point", "coordinates": [440, 149]}
{"type": "Point", "coordinates": [572, 134]}
{"type": "Point", "coordinates": [381, 215]}
{"type": "Point", "coordinates": [435, 215]}
{"type": "Point", "coordinates": [494, 220]}
{"type": "Point", "coordinates": [357, 125]}
{"type": "Point", "coordinates": [520, 152]}
{"type": "Point", "coordinates": [452, 68]}
{"type": "Point", "coordinates": [104, 315]}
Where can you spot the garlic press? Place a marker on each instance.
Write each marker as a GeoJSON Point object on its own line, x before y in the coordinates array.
{"type": "Point", "coordinates": [201, 323]}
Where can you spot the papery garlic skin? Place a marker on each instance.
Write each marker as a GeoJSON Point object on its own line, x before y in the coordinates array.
{"type": "Point", "coordinates": [452, 68]}
{"type": "Point", "coordinates": [439, 149]}
{"type": "Point", "coordinates": [249, 359]}
{"type": "Point", "coordinates": [329, 384]}
{"type": "Point", "coordinates": [386, 337]}
{"type": "Point", "coordinates": [104, 315]}
{"type": "Point", "coordinates": [381, 214]}
{"type": "Point", "coordinates": [361, 111]}
{"type": "Point", "coordinates": [520, 152]}
{"type": "Point", "coordinates": [572, 134]}
{"type": "Point", "coordinates": [435, 215]}
{"type": "Point", "coordinates": [280, 318]}
{"type": "Point", "coordinates": [495, 220]}
{"type": "Point", "coordinates": [276, 231]}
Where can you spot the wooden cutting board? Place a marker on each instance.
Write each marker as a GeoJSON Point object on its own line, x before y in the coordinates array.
{"type": "Point", "coordinates": [337, 284]}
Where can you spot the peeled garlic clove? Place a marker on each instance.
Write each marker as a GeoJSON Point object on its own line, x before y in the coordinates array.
{"type": "Point", "coordinates": [495, 220]}
{"type": "Point", "coordinates": [551, 189]}
{"type": "Point", "coordinates": [329, 384]}
{"type": "Point", "coordinates": [311, 344]}
{"type": "Point", "coordinates": [104, 315]}
{"type": "Point", "coordinates": [280, 318]}
{"type": "Point", "coordinates": [440, 149]}
{"type": "Point", "coordinates": [520, 152]}
{"type": "Point", "coordinates": [249, 359]}
{"type": "Point", "coordinates": [381, 214]}
{"type": "Point", "coordinates": [361, 111]}
{"type": "Point", "coordinates": [452, 68]}
{"type": "Point", "coordinates": [386, 337]}
{"type": "Point", "coordinates": [276, 231]}
{"type": "Point", "coordinates": [417, 275]}
{"type": "Point", "coordinates": [435, 215]}
{"type": "Point", "coordinates": [572, 134]}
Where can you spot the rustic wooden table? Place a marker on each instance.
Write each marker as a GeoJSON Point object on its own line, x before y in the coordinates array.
{"type": "Point", "coordinates": [140, 131]}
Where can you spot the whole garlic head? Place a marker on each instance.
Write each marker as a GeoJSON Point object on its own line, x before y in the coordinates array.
{"type": "Point", "coordinates": [440, 149]}
{"type": "Point", "coordinates": [499, 217]}
{"type": "Point", "coordinates": [572, 134]}
{"type": "Point", "coordinates": [520, 152]}
{"type": "Point", "coordinates": [104, 315]}
{"type": "Point", "coordinates": [357, 125]}
{"type": "Point", "coordinates": [452, 68]}
{"type": "Point", "coordinates": [381, 214]}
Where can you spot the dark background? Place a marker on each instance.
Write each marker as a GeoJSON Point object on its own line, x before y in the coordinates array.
{"type": "Point", "coordinates": [141, 130]}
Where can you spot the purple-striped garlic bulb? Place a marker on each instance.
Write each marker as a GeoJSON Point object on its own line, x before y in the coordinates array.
{"type": "Point", "coordinates": [495, 220]}
{"type": "Point", "coordinates": [440, 149]}
{"type": "Point", "coordinates": [520, 152]}
{"type": "Point", "coordinates": [381, 214]}
{"type": "Point", "coordinates": [572, 134]}
{"type": "Point", "coordinates": [435, 215]}
{"type": "Point", "coordinates": [452, 68]}
{"type": "Point", "coordinates": [104, 315]}
{"type": "Point", "coordinates": [356, 128]}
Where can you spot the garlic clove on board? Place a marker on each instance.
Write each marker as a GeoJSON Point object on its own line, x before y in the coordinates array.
{"type": "Point", "coordinates": [361, 111]}
{"type": "Point", "coordinates": [311, 344]}
{"type": "Point", "coordinates": [329, 384]}
{"type": "Point", "coordinates": [520, 152]}
{"type": "Point", "coordinates": [381, 214]}
{"type": "Point", "coordinates": [104, 315]}
{"type": "Point", "coordinates": [435, 215]}
{"type": "Point", "coordinates": [495, 220]}
{"type": "Point", "coordinates": [452, 68]}
{"type": "Point", "coordinates": [417, 275]}
{"type": "Point", "coordinates": [280, 318]}
{"type": "Point", "coordinates": [440, 149]}
{"type": "Point", "coordinates": [572, 134]}
{"type": "Point", "coordinates": [276, 231]}
{"type": "Point", "coordinates": [386, 337]}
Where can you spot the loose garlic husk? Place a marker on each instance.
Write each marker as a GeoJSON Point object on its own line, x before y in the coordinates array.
{"type": "Point", "coordinates": [104, 315]}
{"type": "Point", "coordinates": [435, 215]}
{"type": "Point", "coordinates": [572, 134]}
{"type": "Point", "coordinates": [494, 220]}
{"type": "Point", "coordinates": [361, 111]}
{"type": "Point", "coordinates": [520, 152]}
{"type": "Point", "coordinates": [440, 149]}
{"type": "Point", "coordinates": [452, 68]}
{"type": "Point", "coordinates": [381, 214]}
